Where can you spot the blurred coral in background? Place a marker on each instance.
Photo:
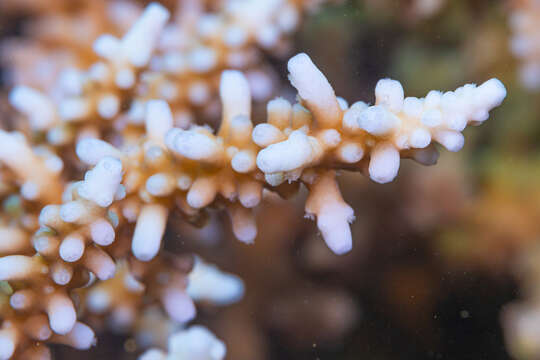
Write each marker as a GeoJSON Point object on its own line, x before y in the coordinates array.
{"type": "Point", "coordinates": [139, 141]}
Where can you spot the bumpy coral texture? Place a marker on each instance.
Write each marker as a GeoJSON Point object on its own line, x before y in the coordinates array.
{"type": "Point", "coordinates": [78, 249]}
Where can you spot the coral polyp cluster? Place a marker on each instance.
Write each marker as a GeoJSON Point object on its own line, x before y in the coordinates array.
{"type": "Point", "coordinates": [300, 142]}
{"type": "Point", "coordinates": [80, 247]}
{"type": "Point", "coordinates": [323, 132]}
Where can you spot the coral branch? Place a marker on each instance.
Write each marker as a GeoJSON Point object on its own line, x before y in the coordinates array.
{"type": "Point", "coordinates": [97, 243]}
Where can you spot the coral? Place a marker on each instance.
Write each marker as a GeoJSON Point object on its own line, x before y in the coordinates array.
{"type": "Point", "coordinates": [296, 141]}
{"type": "Point", "coordinates": [195, 343]}
{"type": "Point", "coordinates": [37, 171]}
{"type": "Point", "coordinates": [371, 139]}
{"type": "Point", "coordinates": [91, 251]}
{"type": "Point", "coordinates": [524, 43]}
{"type": "Point", "coordinates": [192, 50]}
{"type": "Point", "coordinates": [520, 319]}
{"type": "Point", "coordinates": [60, 36]}
{"type": "Point", "coordinates": [207, 283]}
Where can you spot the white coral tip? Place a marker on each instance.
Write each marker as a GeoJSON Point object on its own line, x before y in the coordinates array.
{"type": "Point", "coordinates": [243, 162]}
{"type": "Point", "coordinates": [491, 93]}
{"type": "Point", "coordinates": [72, 248]}
{"type": "Point", "coordinates": [159, 119]}
{"type": "Point", "coordinates": [101, 183]}
{"type": "Point", "coordinates": [149, 231]}
{"type": "Point", "coordinates": [334, 226]}
{"type": "Point", "coordinates": [235, 94]}
{"type": "Point", "coordinates": [194, 145]}
{"type": "Point", "coordinates": [197, 342]}
{"type": "Point", "coordinates": [314, 88]}
{"type": "Point", "coordinates": [378, 121]}
{"type": "Point", "coordinates": [390, 93]}
{"type": "Point", "coordinates": [107, 46]}
{"type": "Point", "coordinates": [153, 354]}
{"type": "Point", "coordinates": [40, 110]}
{"type": "Point", "coordinates": [384, 163]}
{"type": "Point", "coordinates": [138, 44]}
{"type": "Point", "coordinates": [266, 134]}
{"type": "Point", "coordinates": [178, 305]}
{"type": "Point", "coordinates": [286, 155]}
{"type": "Point", "coordinates": [7, 345]}
{"type": "Point", "coordinates": [82, 336]}
{"type": "Point", "coordinates": [61, 312]}
{"type": "Point", "coordinates": [207, 282]}
{"type": "Point", "coordinates": [451, 140]}
{"type": "Point", "coordinates": [420, 138]}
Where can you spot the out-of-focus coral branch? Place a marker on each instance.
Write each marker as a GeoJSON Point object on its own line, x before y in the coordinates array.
{"type": "Point", "coordinates": [524, 43]}
{"type": "Point", "coordinates": [194, 343]}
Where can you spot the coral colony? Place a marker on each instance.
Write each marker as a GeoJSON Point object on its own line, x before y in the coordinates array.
{"type": "Point", "coordinates": [91, 246]}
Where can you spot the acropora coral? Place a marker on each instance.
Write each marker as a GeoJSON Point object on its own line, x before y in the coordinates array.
{"type": "Point", "coordinates": [79, 247]}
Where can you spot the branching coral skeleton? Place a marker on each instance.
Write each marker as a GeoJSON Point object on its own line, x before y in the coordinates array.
{"type": "Point", "coordinates": [101, 237]}
{"type": "Point", "coordinates": [297, 140]}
